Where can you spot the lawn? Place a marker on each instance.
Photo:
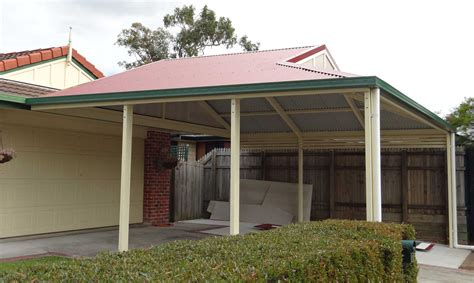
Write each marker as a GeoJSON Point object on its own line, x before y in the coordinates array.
{"type": "Point", "coordinates": [12, 266]}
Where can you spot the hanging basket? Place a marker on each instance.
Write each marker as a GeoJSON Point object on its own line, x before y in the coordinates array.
{"type": "Point", "coordinates": [167, 164]}
{"type": "Point", "coordinates": [166, 159]}
{"type": "Point", "coordinates": [6, 155]}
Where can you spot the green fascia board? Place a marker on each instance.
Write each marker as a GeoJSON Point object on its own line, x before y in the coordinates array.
{"type": "Point", "coordinates": [203, 91]}
{"type": "Point", "coordinates": [407, 101]}
{"type": "Point", "coordinates": [355, 82]}
{"type": "Point", "coordinates": [12, 98]}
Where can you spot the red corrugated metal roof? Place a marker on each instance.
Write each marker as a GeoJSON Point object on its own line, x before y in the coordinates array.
{"type": "Point", "coordinates": [10, 61]}
{"type": "Point", "coordinates": [204, 71]}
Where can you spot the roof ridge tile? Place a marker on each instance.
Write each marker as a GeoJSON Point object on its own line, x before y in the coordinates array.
{"type": "Point", "coordinates": [12, 60]}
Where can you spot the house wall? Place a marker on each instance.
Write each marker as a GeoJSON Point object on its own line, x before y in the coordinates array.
{"type": "Point", "coordinates": [66, 174]}
{"type": "Point", "coordinates": [56, 73]}
{"type": "Point", "coordinates": [320, 61]}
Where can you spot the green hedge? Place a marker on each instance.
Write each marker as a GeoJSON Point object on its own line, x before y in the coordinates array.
{"type": "Point", "coordinates": [332, 250]}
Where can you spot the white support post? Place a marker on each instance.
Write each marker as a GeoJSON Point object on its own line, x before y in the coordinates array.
{"type": "Point", "coordinates": [124, 220]}
{"type": "Point", "coordinates": [376, 155]}
{"type": "Point", "coordinates": [234, 166]}
{"type": "Point", "coordinates": [372, 155]}
{"type": "Point", "coordinates": [300, 180]}
{"type": "Point", "coordinates": [368, 156]}
{"type": "Point", "coordinates": [452, 203]}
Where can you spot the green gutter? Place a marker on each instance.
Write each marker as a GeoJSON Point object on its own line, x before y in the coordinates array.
{"type": "Point", "coordinates": [12, 101]}
{"type": "Point", "coordinates": [12, 98]}
{"type": "Point", "coordinates": [356, 82]}
{"type": "Point", "coordinates": [214, 90]}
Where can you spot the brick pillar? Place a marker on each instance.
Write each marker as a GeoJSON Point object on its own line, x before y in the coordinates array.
{"type": "Point", "coordinates": [156, 192]}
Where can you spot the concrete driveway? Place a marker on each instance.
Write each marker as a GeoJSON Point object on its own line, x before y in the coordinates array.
{"type": "Point", "coordinates": [91, 242]}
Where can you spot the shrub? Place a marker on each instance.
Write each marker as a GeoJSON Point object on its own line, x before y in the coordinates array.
{"type": "Point", "coordinates": [332, 250]}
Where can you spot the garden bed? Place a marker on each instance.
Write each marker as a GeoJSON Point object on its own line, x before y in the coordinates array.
{"type": "Point", "coordinates": [332, 250]}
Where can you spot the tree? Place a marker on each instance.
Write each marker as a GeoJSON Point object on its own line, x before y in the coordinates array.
{"type": "Point", "coordinates": [194, 34]}
{"type": "Point", "coordinates": [462, 118]}
{"type": "Point", "coordinates": [144, 44]}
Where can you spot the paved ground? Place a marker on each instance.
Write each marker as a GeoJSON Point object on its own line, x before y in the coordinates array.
{"type": "Point", "coordinates": [442, 256]}
{"type": "Point", "coordinates": [90, 243]}
{"type": "Point", "coordinates": [440, 274]}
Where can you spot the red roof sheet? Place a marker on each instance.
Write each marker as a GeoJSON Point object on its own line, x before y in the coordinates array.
{"type": "Point", "coordinates": [9, 61]}
{"type": "Point", "coordinates": [230, 69]}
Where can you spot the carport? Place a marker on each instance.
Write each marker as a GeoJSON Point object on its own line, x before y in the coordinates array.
{"type": "Point", "coordinates": [280, 107]}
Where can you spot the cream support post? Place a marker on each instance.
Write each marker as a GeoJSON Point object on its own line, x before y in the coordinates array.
{"type": "Point", "coordinates": [300, 180]}
{"type": "Point", "coordinates": [452, 199]}
{"type": "Point", "coordinates": [125, 177]}
{"type": "Point", "coordinates": [234, 166]}
{"type": "Point", "coordinates": [372, 155]}
{"type": "Point", "coordinates": [452, 207]}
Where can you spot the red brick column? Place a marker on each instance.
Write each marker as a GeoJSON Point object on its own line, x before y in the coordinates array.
{"type": "Point", "coordinates": [156, 192]}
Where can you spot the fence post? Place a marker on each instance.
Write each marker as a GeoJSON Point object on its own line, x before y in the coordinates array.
{"type": "Point", "coordinates": [404, 182]}
{"type": "Point", "coordinates": [332, 185]}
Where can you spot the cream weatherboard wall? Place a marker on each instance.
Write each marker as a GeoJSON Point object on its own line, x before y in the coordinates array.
{"type": "Point", "coordinates": [63, 179]}
{"type": "Point", "coordinates": [56, 73]}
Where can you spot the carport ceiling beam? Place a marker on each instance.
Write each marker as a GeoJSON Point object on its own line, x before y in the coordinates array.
{"type": "Point", "coordinates": [356, 111]}
{"type": "Point", "coordinates": [274, 103]}
{"type": "Point", "coordinates": [214, 114]}
{"type": "Point", "coordinates": [295, 112]}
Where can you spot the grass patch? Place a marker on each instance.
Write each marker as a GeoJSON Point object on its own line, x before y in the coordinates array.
{"type": "Point", "coordinates": [331, 250]}
{"type": "Point", "coordinates": [13, 266]}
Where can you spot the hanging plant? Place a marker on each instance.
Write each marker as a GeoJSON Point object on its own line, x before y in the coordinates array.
{"type": "Point", "coordinates": [166, 160]}
{"type": "Point", "coordinates": [5, 153]}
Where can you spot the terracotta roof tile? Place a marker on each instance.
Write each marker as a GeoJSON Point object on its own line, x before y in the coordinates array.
{"type": "Point", "coordinates": [10, 64]}
{"type": "Point", "coordinates": [23, 89]}
{"type": "Point", "coordinates": [9, 61]}
{"type": "Point", "coordinates": [35, 57]}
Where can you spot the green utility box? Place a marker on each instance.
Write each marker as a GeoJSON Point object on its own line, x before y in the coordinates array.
{"type": "Point", "coordinates": [408, 252]}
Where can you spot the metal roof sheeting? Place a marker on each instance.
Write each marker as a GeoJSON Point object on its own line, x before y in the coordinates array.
{"type": "Point", "coordinates": [341, 121]}
{"type": "Point", "coordinates": [205, 71]}
{"type": "Point", "coordinates": [262, 124]}
{"type": "Point", "coordinates": [392, 121]}
{"type": "Point", "coordinates": [320, 101]}
{"type": "Point", "coordinates": [246, 105]}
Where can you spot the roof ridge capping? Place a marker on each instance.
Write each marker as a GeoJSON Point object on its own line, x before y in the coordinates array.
{"type": "Point", "coordinates": [238, 53]}
{"type": "Point", "coordinates": [314, 69]}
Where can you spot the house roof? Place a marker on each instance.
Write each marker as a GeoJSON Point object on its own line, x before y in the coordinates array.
{"type": "Point", "coordinates": [22, 89]}
{"type": "Point", "coordinates": [13, 60]}
{"type": "Point", "coordinates": [206, 71]}
{"type": "Point", "coordinates": [251, 74]}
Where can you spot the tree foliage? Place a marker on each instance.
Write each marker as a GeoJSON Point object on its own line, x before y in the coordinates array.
{"type": "Point", "coordinates": [192, 35]}
{"type": "Point", "coordinates": [462, 118]}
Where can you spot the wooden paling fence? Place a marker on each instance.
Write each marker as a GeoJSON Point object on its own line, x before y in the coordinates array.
{"type": "Point", "coordinates": [414, 188]}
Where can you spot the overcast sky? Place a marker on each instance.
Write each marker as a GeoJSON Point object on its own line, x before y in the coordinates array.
{"type": "Point", "coordinates": [423, 48]}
